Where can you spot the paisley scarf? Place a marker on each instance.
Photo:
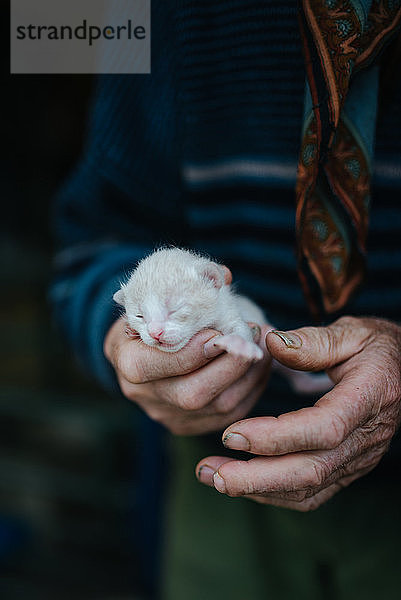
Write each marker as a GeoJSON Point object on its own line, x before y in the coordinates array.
{"type": "Point", "coordinates": [341, 40]}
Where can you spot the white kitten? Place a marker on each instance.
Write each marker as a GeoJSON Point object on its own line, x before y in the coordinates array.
{"type": "Point", "coordinates": [173, 294]}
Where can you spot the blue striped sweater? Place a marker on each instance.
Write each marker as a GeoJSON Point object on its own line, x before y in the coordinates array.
{"type": "Point", "coordinates": [202, 153]}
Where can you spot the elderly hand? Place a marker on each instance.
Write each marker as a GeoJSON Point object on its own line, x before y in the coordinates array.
{"type": "Point", "coordinates": [306, 456]}
{"type": "Point", "coordinates": [194, 391]}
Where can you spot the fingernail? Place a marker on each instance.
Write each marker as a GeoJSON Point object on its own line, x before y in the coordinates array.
{"type": "Point", "coordinates": [219, 483]}
{"type": "Point", "coordinates": [205, 475]}
{"type": "Point", "coordinates": [291, 340]}
{"type": "Point", "coordinates": [256, 332]}
{"type": "Point", "coordinates": [236, 441]}
{"type": "Point", "coordinates": [210, 349]}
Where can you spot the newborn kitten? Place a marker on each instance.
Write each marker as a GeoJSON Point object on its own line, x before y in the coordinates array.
{"type": "Point", "coordinates": [173, 294]}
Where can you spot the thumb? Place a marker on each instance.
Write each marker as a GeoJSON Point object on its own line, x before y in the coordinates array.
{"type": "Point", "coordinates": [319, 348]}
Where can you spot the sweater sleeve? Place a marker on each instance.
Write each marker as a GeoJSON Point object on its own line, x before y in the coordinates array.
{"type": "Point", "coordinates": [122, 199]}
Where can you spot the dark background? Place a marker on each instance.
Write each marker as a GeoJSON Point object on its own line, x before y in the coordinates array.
{"type": "Point", "coordinates": [67, 453]}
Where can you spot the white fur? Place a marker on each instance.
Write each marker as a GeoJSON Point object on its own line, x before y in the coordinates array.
{"type": "Point", "coordinates": [180, 293]}
{"type": "Point", "coordinates": [184, 293]}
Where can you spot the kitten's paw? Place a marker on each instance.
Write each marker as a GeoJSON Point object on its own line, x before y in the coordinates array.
{"type": "Point", "coordinates": [236, 345]}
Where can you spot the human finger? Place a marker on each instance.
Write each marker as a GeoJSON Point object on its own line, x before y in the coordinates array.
{"type": "Point", "coordinates": [209, 471]}
{"type": "Point", "coordinates": [162, 402]}
{"type": "Point", "coordinates": [140, 363]}
{"type": "Point", "coordinates": [319, 348]}
{"type": "Point", "coordinates": [311, 502]}
{"type": "Point", "coordinates": [254, 379]}
{"type": "Point", "coordinates": [350, 404]}
{"type": "Point", "coordinates": [205, 420]}
{"type": "Point", "coordinates": [195, 390]}
{"type": "Point", "coordinates": [299, 475]}
{"type": "Point", "coordinates": [205, 469]}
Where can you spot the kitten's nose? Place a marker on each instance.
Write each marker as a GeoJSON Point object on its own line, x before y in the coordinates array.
{"type": "Point", "coordinates": [155, 330]}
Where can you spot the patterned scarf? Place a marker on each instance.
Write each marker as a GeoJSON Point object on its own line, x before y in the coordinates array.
{"type": "Point", "coordinates": [341, 39]}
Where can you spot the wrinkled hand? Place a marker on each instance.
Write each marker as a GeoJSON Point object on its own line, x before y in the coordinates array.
{"type": "Point", "coordinates": [194, 391]}
{"type": "Point", "coordinates": [306, 456]}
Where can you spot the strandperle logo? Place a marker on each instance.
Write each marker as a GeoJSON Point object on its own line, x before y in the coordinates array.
{"type": "Point", "coordinates": [84, 32]}
{"type": "Point", "coordinates": [80, 36]}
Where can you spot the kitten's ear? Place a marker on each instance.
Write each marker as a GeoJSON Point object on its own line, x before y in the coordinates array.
{"type": "Point", "coordinates": [119, 297]}
{"type": "Point", "coordinates": [214, 273]}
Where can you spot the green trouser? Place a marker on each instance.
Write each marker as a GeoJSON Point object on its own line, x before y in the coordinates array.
{"type": "Point", "coordinates": [218, 546]}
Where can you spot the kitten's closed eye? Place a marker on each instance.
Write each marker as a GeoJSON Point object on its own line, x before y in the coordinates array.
{"type": "Point", "coordinates": [139, 316]}
{"type": "Point", "coordinates": [182, 315]}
